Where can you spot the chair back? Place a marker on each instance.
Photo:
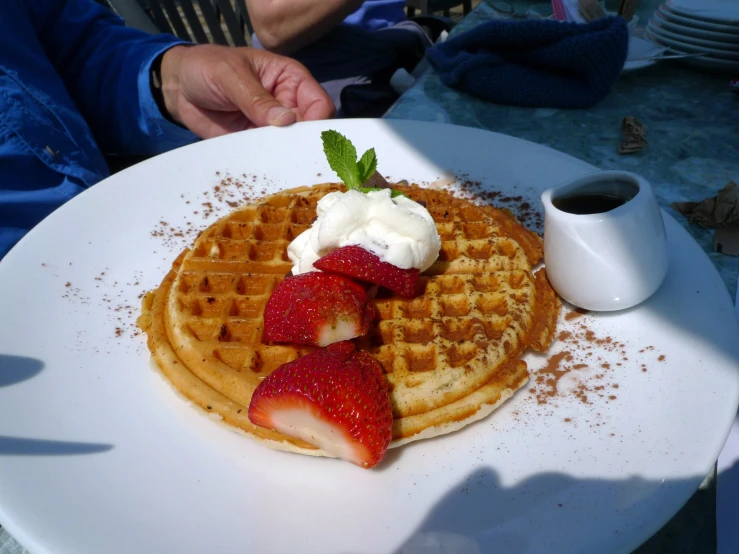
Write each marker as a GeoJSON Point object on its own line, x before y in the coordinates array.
{"type": "Point", "coordinates": [202, 21]}
{"type": "Point", "coordinates": [427, 7]}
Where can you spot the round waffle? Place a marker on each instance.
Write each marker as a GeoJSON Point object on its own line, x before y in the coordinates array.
{"type": "Point", "coordinates": [451, 355]}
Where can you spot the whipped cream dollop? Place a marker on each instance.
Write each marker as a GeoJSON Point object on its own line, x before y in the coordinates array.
{"type": "Point", "coordinates": [398, 230]}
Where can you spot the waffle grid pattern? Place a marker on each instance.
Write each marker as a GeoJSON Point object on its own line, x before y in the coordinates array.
{"type": "Point", "coordinates": [446, 352]}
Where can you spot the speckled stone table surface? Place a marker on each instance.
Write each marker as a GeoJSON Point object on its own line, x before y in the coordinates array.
{"type": "Point", "coordinates": [693, 152]}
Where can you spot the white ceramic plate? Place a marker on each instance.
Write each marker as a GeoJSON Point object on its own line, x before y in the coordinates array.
{"type": "Point", "coordinates": [719, 11]}
{"type": "Point", "coordinates": [641, 48]}
{"type": "Point", "coordinates": [98, 455]}
{"type": "Point", "coordinates": [676, 18]}
{"type": "Point", "coordinates": [672, 31]}
{"type": "Point", "coordinates": [710, 61]}
{"type": "Point", "coordinates": [694, 45]}
{"type": "Point", "coordinates": [631, 25]}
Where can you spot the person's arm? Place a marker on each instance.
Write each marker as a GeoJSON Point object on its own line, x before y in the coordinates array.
{"type": "Point", "coordinates": [211, 90]}
{"type": "Point", "coordinates": [285, 26]}
{"type": "Point", "coordinates": [105, 67]}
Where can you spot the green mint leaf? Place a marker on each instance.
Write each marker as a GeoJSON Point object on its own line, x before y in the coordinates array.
{"type": "Point", "coordinates": [342, 158]}
{"type": "Point", "coordinates": [367, 165]}
{"type": "Point", "coordinates": [393, 193]}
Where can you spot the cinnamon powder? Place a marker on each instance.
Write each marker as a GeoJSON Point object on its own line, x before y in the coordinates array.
{"type": "Point", "coordinates": [589, 363]}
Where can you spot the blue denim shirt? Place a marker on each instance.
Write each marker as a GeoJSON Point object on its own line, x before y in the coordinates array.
{"type": "Point", "coordinates": [73, 81]}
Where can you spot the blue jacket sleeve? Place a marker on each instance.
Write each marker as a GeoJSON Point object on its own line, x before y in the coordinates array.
{"type": "Point", "coordinates": [105, 66]}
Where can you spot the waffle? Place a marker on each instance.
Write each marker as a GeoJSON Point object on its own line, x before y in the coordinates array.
{"type": "Point", "coordinates": [451, 355]}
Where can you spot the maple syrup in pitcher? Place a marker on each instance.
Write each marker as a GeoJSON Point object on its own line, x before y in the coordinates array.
{"type": "Point", "coordinates": [590, 200]}
{"type": "Point", "coordinates": [586, 204]}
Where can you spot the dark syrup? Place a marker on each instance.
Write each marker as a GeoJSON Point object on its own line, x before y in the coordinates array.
{"type": "Point", "coordinates": [585, 204]}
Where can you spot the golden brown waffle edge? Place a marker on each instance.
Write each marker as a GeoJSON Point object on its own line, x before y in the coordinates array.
{"type": "Point", "coordinates": [451, 356]}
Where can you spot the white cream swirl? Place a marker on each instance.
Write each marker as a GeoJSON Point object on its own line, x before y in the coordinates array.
{"type": "Point", "coordinates": [398, 230]}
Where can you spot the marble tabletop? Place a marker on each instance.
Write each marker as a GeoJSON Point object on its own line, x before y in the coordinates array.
{"type": "Point", "coordinates": [691, 119]}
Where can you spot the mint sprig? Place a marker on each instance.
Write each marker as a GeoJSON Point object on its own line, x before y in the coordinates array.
{"type": "Point", "coordinates": [367, 165]}
{"type": "Point", "coordinates": [393, 193]}
{"type": "Point", "coordinates": [342, 157]}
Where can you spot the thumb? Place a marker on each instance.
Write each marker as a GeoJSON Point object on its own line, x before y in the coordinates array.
{"type": "Point", "coordinates": [243, 87]}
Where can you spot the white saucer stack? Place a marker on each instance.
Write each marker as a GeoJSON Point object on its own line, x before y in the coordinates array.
{"type": "Point", "coordinates": [708, 27]}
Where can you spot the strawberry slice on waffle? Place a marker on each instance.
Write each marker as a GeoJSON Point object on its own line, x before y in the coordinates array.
{"type": "Point", "coordinates": [316, 308]}
{"type": "Point", "coordinates": [335, 398]}
{"type": "Point", "coordinates": [359, 263]}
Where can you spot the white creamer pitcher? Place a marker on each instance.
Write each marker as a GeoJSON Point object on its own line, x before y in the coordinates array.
{"type": "Point", "coordinates": [607, 260]}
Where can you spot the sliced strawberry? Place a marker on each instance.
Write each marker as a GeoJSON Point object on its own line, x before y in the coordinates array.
{"type": "Point", "coordinates": [316, 308]}
{"type": "Point", "coordinates": [335, 398]}
{"type": "Point", "coordinates": [359, 263]}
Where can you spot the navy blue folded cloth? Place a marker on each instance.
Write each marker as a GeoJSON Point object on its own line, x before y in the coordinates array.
{"type": "Point", "coordinates": [537, 63]}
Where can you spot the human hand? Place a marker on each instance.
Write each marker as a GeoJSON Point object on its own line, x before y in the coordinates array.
{"type": "Point", "coordinates": [215, 90]}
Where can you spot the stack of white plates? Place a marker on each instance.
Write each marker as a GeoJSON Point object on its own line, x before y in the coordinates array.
{"type": "Point", "coordinates": [708, 27]}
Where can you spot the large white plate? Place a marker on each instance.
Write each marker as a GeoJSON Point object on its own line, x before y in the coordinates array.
{"type": "Point", "coordinates": [689, 21]}
{"type": "Point", "coordinates": [664, 28]}
{"type": "Point", "coordinates": [694, 28]}
{"type": "Point", "coordinates": [639, 49]}
{"type": "Point", "coordinates": [690, 45]}
{"type": "Point", "coordinates": [705, 62]}
{"type": "Point", "coordinates": [97, 454]}
{"type": "Point", "coordinates": [720, 11]}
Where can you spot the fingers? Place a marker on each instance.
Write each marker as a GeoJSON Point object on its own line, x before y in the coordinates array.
{"type": "Point", "coordinates": [209, 123]}
{"type": "Point", "coordinates": [224, 89]}
{"type": "Point", "coordinates": [242, 86]}
{"type": "Point", "coordinates": [313, 102]}
{"type": "Point", "coordinates": [292, 83]}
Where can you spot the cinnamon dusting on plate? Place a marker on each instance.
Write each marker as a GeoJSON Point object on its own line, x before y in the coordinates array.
{"type": "Point", "coordinates": [583, 369]}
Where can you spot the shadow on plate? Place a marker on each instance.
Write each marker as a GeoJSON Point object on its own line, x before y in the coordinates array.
{"type": "Point", "coordinates": [16, 369]}
{"type": "Point", "coordinates": [481, 516]}
{"type": "Point", "coordinates": [15, 446]}
{"type": "Point", "coordinates": [727, 498]}
{"type": "Point", "coordinates": [391, 458]}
